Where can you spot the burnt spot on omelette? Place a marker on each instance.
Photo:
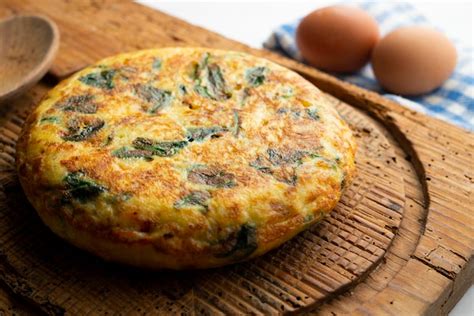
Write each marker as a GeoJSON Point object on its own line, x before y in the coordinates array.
{"type": "Point", "coordinates": [184, 157]}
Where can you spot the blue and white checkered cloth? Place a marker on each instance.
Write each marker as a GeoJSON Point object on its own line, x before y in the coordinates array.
{"type": "Point", "coordinates": [453, 101]}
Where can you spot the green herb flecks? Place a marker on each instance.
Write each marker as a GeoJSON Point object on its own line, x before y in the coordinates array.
{"type": "Point", "coordinates": [126, 152]}
{"type": "Point", "coordinates": [156, 65]}
{"type": "Point", "coordinates": [162, 149]}
{"type": "Point", "coordinates": [108, 140]}
{"type": "Point", "coordinates": [287, 93]}
{"type": "Point", "coordinates": [332, 163]}
{"type": "Point", "coordinates": [81, 128]}
{"type": "Point", "coordinates": [158, 98]}
{"type": "Point", "coordinates": [236, 123]}
{"type": "Point", "coordinates": [201, 133]}
{"type": "Point", "coordinates": [245, 95]}
{"type": "Point", "coordinates": [50, 119]}
{"type": "Point", "coordinates": [281, 164]}
{"type": "Point", "coordinates": [256, 76]}
{"type": "Point", "coordinates": [79, 187]}
{"type": "Point", "coordinates": [200, 67]}
{"type": "Point", "coordinates": [313, 114]}
{"type": "Point", "coordinates": [279, 157]}
{"type": "Point", "coordinates": [212, 176]}
{"type": "Point", "coordinates": [124, 73]}
{"type": "Point", "coordinates": [196, 198]}
{"type": "Point", "coordinates": [79, 103]}
{"type": "Point", "coordinates": [202, 91]}
{"type": "Point", "coordinates": [147, 148]}
{"type": "Point", "coordinates": [260, 166]}
{"type": "Point", "coordinates": [182, 89]}
{"type": "Point", "coordinates": [295, 112]}
{"type": "Point", "coordinates": [241, 244]}
{"type": "Point", "coordinates": [102, 79]}
{"type": "Point", "coordinates": [217, 85]}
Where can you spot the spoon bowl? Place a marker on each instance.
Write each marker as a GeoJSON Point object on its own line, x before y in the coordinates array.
{"type": "Point", "coordinates": [28, 45]}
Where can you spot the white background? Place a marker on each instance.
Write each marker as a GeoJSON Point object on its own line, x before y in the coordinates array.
{"type": "Point", "coordinates": [251, 22]}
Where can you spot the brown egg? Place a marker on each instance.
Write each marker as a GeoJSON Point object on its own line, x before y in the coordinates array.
{"type": "Point", "coordinates": [337, 38]}
{"type": "Point", "coordinates": [413, 60]}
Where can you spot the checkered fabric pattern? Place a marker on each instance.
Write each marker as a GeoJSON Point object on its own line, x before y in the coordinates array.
{"type": "Point", "coordinates": [452, 102]}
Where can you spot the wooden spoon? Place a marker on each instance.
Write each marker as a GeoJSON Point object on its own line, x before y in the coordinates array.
{"type": "Point", "coordinates": [28, 45]}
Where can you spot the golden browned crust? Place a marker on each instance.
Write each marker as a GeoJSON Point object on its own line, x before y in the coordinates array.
{"type": "Point", "coordinates": [183, 157]}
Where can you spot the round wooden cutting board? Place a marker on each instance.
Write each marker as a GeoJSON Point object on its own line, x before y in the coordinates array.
{"type": "Point", "coordinates": [314, 266]}
{"type": "Point", "coordinates": [401, 240]}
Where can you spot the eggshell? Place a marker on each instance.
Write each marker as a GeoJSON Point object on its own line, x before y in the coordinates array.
{"type": "Point", "coordinates": [337, 38]}
{"type": "Point", "coordinates": [413, 60]}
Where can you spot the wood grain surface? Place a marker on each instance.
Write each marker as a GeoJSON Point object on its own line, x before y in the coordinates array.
{"type": "Point", "coordinates": [400, 242]}
{"type": "Point", "coordinates": [28, 45]}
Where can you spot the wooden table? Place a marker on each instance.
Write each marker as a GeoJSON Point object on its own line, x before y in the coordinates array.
{"type": "Point", "coordinates": [400, 241]}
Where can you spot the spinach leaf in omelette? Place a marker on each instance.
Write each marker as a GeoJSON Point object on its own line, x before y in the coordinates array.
{"type": "Point", "coordinates": [198, 198]}
{"type": "Point", "coordinates": [156, 65]}
{"type": "Point", "coordinates": [242, 244]}
{"type": "Point", "coordinates": [203, 91]}
{"type": "Point", "coordinates": [81, 128]}
{"type": "Point", "coordinates": [313, 114]}
{"type": "Point", "coordinates": [182, 89]}
{"type": "Point", "coordinates": [201, 133]}
{"type": "Point", "coordinates": [256, 76]}
{"type": "Point", "coordinates": [236, 123]}
{"type": "Point", "coordinates": [282, 157]}
{"type": "Point", "coordinates": [215, 88]}
{"type": "Point", "coordinates": [281, 164]}
{"type": "Point", "coordinates": [260, 165]}
{"type": "Point", "coordinates": [217, 84]}
{"type": "Point", "coordinates": [79, 103]}
{"type": "Point", "coordinates": [156, 97]}
{"type": "Point", "coordinates": [200, 67]}
{"type": "Point", "coordinates": [212, 176]}
{"type": "Point", "coordinates": [162, 149]}
{"type": "Point", "coordinates": [125, 152]}
{"type": "Point", "coordinates": [50, 119]}
{"type": "Point", "coordinates": [102, 79]}
{"type": "Point", "coordinates": [79, 187]}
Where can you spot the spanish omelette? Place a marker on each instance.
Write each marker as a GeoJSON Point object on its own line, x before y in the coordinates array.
{"type": "Point", "coordinates": [183, 157]}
